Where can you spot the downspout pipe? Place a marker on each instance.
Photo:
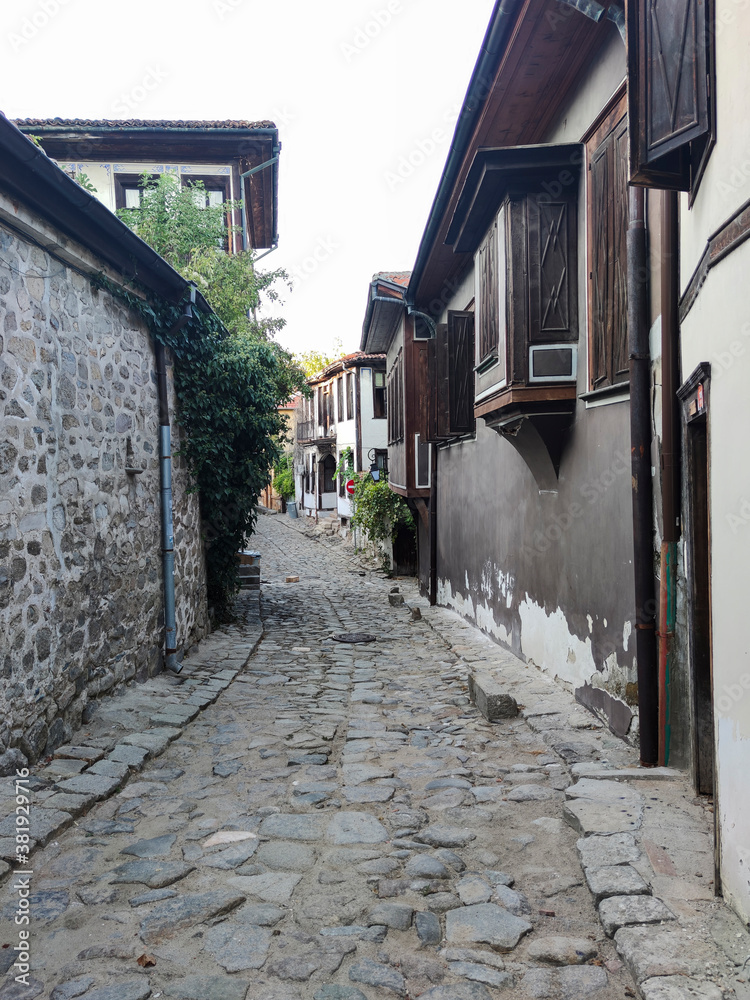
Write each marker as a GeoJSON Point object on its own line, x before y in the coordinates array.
{"type": "Point", "coordinates": [641, 479]}
{"type": "Point", "coordinates": [165, 475]}
{"type": "Point", "coordinates": [433, 523]}
{"type": "Point", "coordinates": [670, 331]}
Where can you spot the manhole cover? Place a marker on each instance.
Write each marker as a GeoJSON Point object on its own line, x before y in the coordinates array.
{"type": "Point", "coordinates": [354, 637]}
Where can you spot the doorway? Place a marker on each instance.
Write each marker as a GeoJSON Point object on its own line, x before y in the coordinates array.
{"type": "Point", "coordinates": [694, 396]}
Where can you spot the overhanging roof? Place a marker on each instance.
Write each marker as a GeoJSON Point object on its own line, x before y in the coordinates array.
{"type": "Point", "coordinates": [248, 144]}
{"type": "Point", "coordinates": [29, 175]}
{"type": "Point", "coordinates": [533, 53]}
{"type": "Point", "coordinates": [386, 301]}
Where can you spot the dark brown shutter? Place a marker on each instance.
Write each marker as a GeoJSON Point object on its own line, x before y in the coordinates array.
{"type": "Point", "coordinates": [488, 319]}
{"type": "Point", "coordinates": [609, 223]}
{"type": "Point", "coordinates": [601, 331]}
{"type": "Point", "coordinates": [670, 74]}
{"type": "Point", "coordinates": [461, 372]}
{"type": "Point", "coordinates": [442, 384]}
{"type": "Point", "coordinates": [553, 300]}
{"type": "Point", "coordinates": [620, 363]}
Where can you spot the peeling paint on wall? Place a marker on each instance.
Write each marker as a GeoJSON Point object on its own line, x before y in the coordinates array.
{"type": "Point", "coordinates": [546, 641]}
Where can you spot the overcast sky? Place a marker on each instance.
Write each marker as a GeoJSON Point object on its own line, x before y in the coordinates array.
{"type": "Point", "coordinates": [365, 96]}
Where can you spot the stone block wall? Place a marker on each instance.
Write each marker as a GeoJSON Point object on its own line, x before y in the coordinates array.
{"type": "Point", "coordinates": [81, 607]}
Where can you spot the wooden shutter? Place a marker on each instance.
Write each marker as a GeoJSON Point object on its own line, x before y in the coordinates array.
{"type": "Point", "coordinates": [670, 91]}
{"type": "Point", "coordinates": [608, 201]}
{"type": "Point", "coordinates": [601, 331]}
{"type": "Point", "coordinates": [461, 372]}
{"type": "Point", "coordinates": [488, 319]}
{"type": "Point", "coordinates": [620, 353]}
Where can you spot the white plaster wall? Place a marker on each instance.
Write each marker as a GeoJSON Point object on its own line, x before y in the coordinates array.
{"type": "Point", "coordinates": [374, 430]}
{"type": "Point", "coordinates": [606, 74]}
{"type": "Point", "coordinates": [101, 175]}
{"type": "Point", "coordinates": [726, 183]}
{"type": "Point", "coordinates": [717, 330]}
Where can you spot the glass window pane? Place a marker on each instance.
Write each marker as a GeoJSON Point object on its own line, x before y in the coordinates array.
{"type": "Point", "coordinates": [132, 198]}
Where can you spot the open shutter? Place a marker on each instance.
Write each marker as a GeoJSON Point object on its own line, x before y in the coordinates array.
{"type": "Point", "coordinates": [620, 353]}
{"type": "Point", "coordinates": [441, 392]}
{"type": "Point", "coordinates": [670, 71]}
{"type": "Point", "coordinates": [461, 372]}
{"type": "Point", "coordinates": [601, 333]}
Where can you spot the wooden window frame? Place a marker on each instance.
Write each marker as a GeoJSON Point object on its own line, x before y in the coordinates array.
{"type": "Point", "coordinates": [611, 127]}
{"type": "Point", "coordinates": [676, 160]}
{"type": "Point", "coordinates": [379, 397]}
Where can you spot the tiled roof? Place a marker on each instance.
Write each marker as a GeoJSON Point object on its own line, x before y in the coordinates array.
{"type": "Point", "coordinates": [339, 363]}
{"type": "Point", "coordinates": [396, 277]}
{"type": "Point", "coordinates": [84, 123]}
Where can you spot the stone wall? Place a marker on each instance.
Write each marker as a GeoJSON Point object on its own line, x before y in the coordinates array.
{"type": "Point", "coordinates": [81, 607]}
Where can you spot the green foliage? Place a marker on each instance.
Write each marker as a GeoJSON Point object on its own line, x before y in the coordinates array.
{"type": "Point", "coordinates": [283, 478]}
{"type": "Point", "coordinates": [345, 468]}
{"type": "Point", "coordinates": [378, 511]}
{"type": "Point", "coordinates": [174, 221]}
{"type": "Point", "coordinates": [229, 375]}
{"type": "Point", "coordinates": [313, 362]}
{"type": "Point", "coordinates": [85, 182]}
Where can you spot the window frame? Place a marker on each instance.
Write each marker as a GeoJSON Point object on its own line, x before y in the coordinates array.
{"type": "Point", "coordinates": [611, 126]}
{"type": "Point", "coordinates": [678, 161]}
{"type": "Point", "coordinates": [379, 396]}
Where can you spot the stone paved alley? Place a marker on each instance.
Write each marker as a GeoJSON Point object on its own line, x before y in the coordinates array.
{"type": "Point", "coordinates": [293, 818]}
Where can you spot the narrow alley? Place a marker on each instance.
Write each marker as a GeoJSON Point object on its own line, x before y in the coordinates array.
{"type": "Point", "coordinates": [319, 820]}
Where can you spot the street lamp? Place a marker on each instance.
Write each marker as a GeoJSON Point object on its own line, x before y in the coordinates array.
{"type": "Point", "coordinates": [374, 467]}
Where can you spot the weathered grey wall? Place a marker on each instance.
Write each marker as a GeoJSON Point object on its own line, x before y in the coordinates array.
{"type": "Point", "coordinates": [548, 574]}
{"type": "Point", "coordinates": [81, 607]}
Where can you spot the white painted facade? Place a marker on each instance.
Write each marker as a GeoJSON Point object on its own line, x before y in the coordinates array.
{"type": "Point", "coordinates": [103, 176]}
{"type": "Point", "coordinates": [717, 330]}
{"type": "Point", "coordinates": [339, 416]}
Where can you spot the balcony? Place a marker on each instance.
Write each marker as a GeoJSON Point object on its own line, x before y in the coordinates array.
{"type": "Point", "coordinates": [312, 432]}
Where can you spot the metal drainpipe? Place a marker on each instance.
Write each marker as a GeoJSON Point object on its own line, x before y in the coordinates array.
{"type": "Point", "coordinates": [640, 458]}
{"type": "Point", "coordinates": [433, 523]}
{"type": "Point", "coordinates": [167, 521]}
{"type": "Point", "coordinates": [670, 329]}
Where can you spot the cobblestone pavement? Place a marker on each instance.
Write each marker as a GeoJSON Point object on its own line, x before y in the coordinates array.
{"type": "Point", "coordinates": [296, 818]}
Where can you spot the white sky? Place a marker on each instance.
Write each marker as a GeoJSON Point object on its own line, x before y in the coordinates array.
{"type": "Point", "coordinates": [354, 99]}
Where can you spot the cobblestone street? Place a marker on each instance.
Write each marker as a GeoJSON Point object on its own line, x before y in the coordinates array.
{"type": "Point", "coordinates": [315, 820]}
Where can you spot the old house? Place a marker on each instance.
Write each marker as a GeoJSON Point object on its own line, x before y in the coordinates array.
{"type": "Point", "coordinates": [102, 579]}
{"type": "Point", "coordinates": [584, 335]}
{"type": "Point", "coordinates": [236, 161]}
{"type": "Point", "coordinates": [344, 415]}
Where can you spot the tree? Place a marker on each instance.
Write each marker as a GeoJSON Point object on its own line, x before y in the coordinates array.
{"type": "Point", "coordinates": [230, 375]}
{"type": "Point", "coordinates": [313, 362]}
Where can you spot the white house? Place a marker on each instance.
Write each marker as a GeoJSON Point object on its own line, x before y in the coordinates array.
{"type": "Point", "coordinates": [347, 410]}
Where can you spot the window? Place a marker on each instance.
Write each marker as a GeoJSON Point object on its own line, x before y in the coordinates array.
{"type": "Point", "coordinates": [350, 396]}
{"type": "Point", "coordinates": [340, 415]}
{"type": "Point", "coordinates": [608, 214]}
{"type": "Point", "coordinates": [490, 271]}
{"type": "Point", "coordinates": [671, 91]}
{"type": "Point", "coordinates": [452, 376]}
{"type": "Point", "coordinates": [395, 390]}
{"type": "Point", "coordinates": [128, 189]}
{"type": "Point", "coordinates": [518, 215]}
{"type": "Point", "coordinates": [378, 395]}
